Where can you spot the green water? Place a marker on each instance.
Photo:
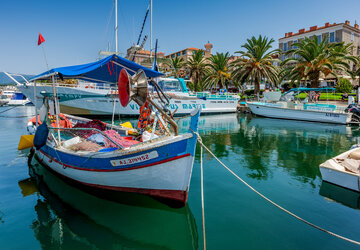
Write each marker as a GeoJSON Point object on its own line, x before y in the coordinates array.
{"type": "Point", "coordinates": [279, 158]}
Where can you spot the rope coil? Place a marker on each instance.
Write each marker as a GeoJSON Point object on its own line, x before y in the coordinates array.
{"type": "Point", "coordinates": [264, 197]}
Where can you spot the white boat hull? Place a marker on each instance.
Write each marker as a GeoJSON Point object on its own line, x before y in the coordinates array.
{"type": "Point", "coordinates": [81, 101]}
{"type": "Point", "coordinates": [346, 180]}
{"type": "Point", "coordinates": [335, 173]}
{"type": "Point", "coordinates": [299, 114]}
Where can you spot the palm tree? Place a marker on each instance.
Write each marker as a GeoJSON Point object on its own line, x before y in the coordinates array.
{"type": "Point", "coordinates": [196, 65]}
{"type": "Point", "coordinates": [217, 71]}
{"type": "Point", "coordinates": [176, 64]}
{"type": "Point", "coordinates": [256, 62]}
{"type": "Point", "coordinates": [310, 59]}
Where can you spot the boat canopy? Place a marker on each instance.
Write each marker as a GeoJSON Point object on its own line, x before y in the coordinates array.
{"type": "Point", "coordinates": [312, 89]}
{"type": "Point", "coordinates": [106, 70]}
{"type": "Point", "coordinates": [292, 91]}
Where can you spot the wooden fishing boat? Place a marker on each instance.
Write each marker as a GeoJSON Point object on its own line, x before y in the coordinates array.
{"type": "Point", "coordinates": [153, 160]}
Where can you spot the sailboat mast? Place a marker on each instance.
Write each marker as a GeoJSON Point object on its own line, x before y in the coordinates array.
{"type": "Point", "coordinates": [116, 29]}
{"type": "Point", "coordinates": [151, 13]}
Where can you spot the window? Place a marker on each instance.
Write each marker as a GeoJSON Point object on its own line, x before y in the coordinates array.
{"type": "Point", "coordinates": [184, 52]}
{"type": "Point", "coordinates": [193, 52]}
{"type": "Point", "coordinates": [352, 36]}
{"type": "Point", "coordinates": [170, 85]}
{"type": "Point", "coordinates": [173, 56]}
{"type": "Point", "coordinates": [178, 54]}
{"type": "Point", "coordinates": [285, 46]}
{"type": "Point", "coordinates": [332, 37]}
{"type": "Point", "coordinates": [295, 47]}
{"type": "Point", "coordinates": [319, 39]}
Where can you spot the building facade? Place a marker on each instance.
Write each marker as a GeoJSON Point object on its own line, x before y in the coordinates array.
{"type": "Point", "coordinates": [334, 33]}
{"type": "Point", "coordinates": [187, 53]}
{"type": "Point", "coordinates": [142, 56]}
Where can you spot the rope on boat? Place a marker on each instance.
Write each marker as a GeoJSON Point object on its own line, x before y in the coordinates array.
{"type": "Point", "coordinates": [202, 193]}
{"type": "Point", "coordinates": [267, 199]}
{"type": "Point", "coordinates": [8, 109]}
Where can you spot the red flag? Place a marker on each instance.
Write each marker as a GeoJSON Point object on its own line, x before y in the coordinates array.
{"type": "Point", "coordinates": [41, 39]}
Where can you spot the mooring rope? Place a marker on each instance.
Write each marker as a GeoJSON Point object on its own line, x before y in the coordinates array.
{"type": "Point", "coordinates": [202, 194]}
{"type": "Point", "coordinates": [8, 109]}
{"type": "Point", "coordinates": [267, 199]}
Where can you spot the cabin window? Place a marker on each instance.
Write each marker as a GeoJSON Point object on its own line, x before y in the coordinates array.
{"type": "Point", "coordinates": [170, 85]}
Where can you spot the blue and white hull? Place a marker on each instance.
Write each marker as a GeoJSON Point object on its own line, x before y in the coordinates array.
{"type": "Point", "coordinates": [160, 168]}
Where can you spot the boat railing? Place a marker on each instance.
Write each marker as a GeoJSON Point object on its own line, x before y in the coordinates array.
{"type": "Point", "coordinates": [89, 129]}
{"type": "Point", "coordinates": [215, 96]}
{"type": "Point", "coordinates": [82, 86]}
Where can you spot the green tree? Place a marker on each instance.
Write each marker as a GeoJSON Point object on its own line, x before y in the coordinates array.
{"type": "Point", "coordinates": [344, 85]}
{"type": "Point", "coordinates": [196, 66]}
{"type": "Point", "coordinates": [311, 59]}
{"type": "Point", "coordinates": [256, 62]}
{"type": "Point", "coordinates": [176, 64]}
{"type": "Point", "coordinates": [217, 71]}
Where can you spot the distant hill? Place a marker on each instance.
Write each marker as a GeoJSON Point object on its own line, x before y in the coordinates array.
{"type": "Point", "coordinates": [5, 80]}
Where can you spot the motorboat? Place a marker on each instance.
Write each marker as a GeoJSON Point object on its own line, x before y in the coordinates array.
{"type": "Point", "coordinates": [286, 107]}
{"type": "Point", "coordinates": [14, 98]}
{"type": "Point", "coordinates": [343, 170]}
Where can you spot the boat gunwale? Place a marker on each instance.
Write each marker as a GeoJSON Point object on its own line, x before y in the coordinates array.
{"type": "Point", "coordinates": [306, 110]}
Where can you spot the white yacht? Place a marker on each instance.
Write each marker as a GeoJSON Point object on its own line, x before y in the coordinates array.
{"type": "Point", "coordinates": [86, 98]}
{"type": "Point", "coordinates": [89, 97]}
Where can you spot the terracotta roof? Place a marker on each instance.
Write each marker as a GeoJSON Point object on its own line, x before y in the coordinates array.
{"type": "Point", "coordinates": [315, 28]}
{"type": "Point", "coordinates": [146, 52]}
{"type": "Point", "coordinates": [310, 30]}
{"type": "Point", "coordinates": [192, 48]}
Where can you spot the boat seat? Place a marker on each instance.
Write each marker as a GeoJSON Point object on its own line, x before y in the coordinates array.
{"type": "Point", "coordinates": [351, 165]}
{"type": "Point", "coordinates": [355, 155]}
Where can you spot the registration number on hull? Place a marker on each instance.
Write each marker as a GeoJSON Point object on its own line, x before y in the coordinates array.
{"type": "Point", "coordinates": [135, 159]}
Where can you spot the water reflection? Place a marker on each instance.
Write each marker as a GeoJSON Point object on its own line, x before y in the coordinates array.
{"type": "Point", "coordinates": [69, 218]}
{"type": "Point", "coordinates": [341, 195]}
{"type": "Point", "coordinates": [262, 144]}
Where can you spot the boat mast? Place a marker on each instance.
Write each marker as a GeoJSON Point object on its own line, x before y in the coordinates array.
{"type": "Point", "coordinates": [151, 13]}
{"type": "Point", "coordinates": [116, 29]}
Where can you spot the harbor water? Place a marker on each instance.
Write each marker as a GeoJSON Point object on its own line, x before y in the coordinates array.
{"type": "Point", "coordinates": [279, 158]}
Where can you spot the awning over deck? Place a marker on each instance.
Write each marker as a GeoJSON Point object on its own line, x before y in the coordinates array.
{"type": "Point", "coordinates": [105, 70]}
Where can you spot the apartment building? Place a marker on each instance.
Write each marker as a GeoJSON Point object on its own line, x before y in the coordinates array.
{"type": "Point", "coordinates": [187, 53]}
{"type": "Point", "coordinates": [335, 32]}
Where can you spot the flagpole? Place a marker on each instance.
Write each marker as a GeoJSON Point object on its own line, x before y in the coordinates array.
{"type": "Point", "coordinates": [57, 106]}
{"type": "Point", "coordinates": [43, 50]}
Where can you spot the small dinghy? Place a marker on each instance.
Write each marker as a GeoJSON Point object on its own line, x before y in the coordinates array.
{"type": "Point", "coordinates": [343, 170]}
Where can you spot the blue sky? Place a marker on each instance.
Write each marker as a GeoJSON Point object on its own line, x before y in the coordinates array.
{"type": "Point", "coordinates": [75, 30]}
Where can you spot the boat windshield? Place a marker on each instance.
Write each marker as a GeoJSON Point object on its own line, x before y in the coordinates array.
{"type": "Point", "coordinates": [170, 85]}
